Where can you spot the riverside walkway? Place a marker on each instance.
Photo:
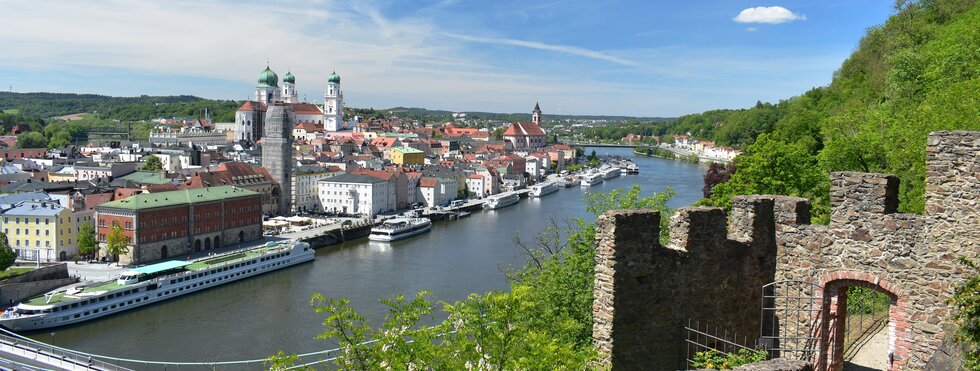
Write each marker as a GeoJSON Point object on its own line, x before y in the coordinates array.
{"type": "Point", "coordinates": [21, 354]}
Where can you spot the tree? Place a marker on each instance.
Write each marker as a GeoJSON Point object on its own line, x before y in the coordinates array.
{"type": "Point", "coordinates": [87, 245]}
{"type": "Point", "coordinates": [7, 255]}
{"type": "Point", "coordinates": [498, 133]}
{"type": "Point", "coordinates": [717, 173]}
{"type": "Point", "coordinates": [153, 163]}
{"type": "Point", "coordinates": [31, 140]}
{"type": "Point", "coordinates": [116, 242]}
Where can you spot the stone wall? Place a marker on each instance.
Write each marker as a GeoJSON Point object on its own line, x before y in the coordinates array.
{"type": "Point", "coordinates": [36, 282]}
{"type": "Point", "coordinates": [644, 291]}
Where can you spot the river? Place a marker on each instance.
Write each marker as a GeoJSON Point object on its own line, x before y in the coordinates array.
{"type": "Point", "coordinates": [257, 317]}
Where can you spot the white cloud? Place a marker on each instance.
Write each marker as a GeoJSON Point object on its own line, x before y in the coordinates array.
{"type": "Point", "coordinates": [771, 14]}
{"type": "Point", "coordinates": [752, 29]}
{"type": "Point", "coordinates": [549, 47]}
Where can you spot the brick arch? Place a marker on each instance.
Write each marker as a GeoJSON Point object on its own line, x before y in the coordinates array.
{"type": "Point", "coordinates": [832, 338]}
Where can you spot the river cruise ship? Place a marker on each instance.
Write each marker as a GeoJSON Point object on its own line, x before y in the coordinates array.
{"type": "Point", "coordinates": [610, 172]}
{"type": "Point", "coordinates": [399, 228]}
{"type": "Point", "coordinates": [591, 179]}
{"type": "Point", "coordinates": [501, 200]}
{"type": "Point", "coordinates": [543, 189]}
{"type": "Point", "coordinates": [150, 284]}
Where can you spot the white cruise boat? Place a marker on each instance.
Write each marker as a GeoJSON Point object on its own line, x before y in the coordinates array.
{"type": "Point", "coordinates": [610, 172]}
{"type": "Point", "coordinates": [399, 228]}
{"type": "Point", "coordinates": [543, 189]}
{"type": "Point", "coordinates": [591, 179]}
{"type": "Point", "coordinates": [501, 200]}
{"type": "Point", "coordinates": [632, 168]}
{"type": "Point", "coordinates": [150, 284]}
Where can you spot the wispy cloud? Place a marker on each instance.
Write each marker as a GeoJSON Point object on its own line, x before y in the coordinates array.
{"type": "Point", "coordinates": [572, 50]}
{"type": "Point", "coordinates": [771, 15]}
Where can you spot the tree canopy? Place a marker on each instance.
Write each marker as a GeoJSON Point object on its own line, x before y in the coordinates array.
{"type": "Point", "coordinates": [7, 255]}
{"type": "Point", "coordinates": [116, 242]}
{"type": "Point", "coordinates": [152, 163]}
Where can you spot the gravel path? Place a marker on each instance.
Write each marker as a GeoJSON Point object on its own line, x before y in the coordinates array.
{"type": "Point", "coordinates": [873, 355]}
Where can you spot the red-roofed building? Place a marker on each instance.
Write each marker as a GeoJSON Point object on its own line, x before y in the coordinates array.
{"type": "Point", "coordinates": [242, 175]}
{"type": "Point", "coordinates": [523, 135]}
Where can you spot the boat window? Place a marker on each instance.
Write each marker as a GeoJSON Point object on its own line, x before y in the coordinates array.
{"type": "Point", "coordinates": [86, 313]}
{"type": "Point", "coordinates": [77, 315]}
{"type": "Point", "coordinates": [129, 302]}
{"type": "Point", "coordinates": [74, 305]}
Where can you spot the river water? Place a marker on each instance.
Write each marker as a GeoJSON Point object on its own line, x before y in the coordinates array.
{"type": "Point", "coordinates": [257, 317]}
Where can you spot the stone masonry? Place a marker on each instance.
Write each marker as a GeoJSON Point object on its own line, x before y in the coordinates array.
{"type": "Point", "coordinates": [644, 292]}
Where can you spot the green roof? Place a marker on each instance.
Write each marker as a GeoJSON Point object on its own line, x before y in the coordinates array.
{"type": "Point", "coordinates": [268, 78]}
{"type": "Point", "coordinates": [172, 198]}
{"type": "Point", "coordinates": [147, 177]}
{"type": "Point", "coordinates": [334, 78]}
{"type": "Point", "coordinates": [160, 267]}
{"type": "Point", "coordinates": [289, 78]}
{"type": "Point", "coordinates": [406, 150]}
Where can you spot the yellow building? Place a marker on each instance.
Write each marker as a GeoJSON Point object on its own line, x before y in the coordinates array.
{"type": "Point", "coordinates": [407, 156]}
{"type": "Point", "coordinates": [41, 231]}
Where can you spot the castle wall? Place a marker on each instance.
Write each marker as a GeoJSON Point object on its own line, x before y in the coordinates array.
{"type": "Point", "coordinates": [644, 292]}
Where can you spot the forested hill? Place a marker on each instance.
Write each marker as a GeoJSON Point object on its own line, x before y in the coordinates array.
{"type": "Point", "coordinates": [44, 105]}
{"type": "Point", "coordinates": [919, 72]}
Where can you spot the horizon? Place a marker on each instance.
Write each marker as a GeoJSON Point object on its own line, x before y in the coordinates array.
{"type": "Point", "coordinates": [642, 60]}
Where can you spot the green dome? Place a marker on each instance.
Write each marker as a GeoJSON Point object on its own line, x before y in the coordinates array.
{"type": "Point", "coordinates": [289, 78]}
{"type": "Point", "coordinates": [334, 78]}
{"type": "Point", "coordinates": [268, 78]}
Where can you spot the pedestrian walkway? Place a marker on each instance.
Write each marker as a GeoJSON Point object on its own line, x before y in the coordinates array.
{"type": "Point", "coordinates": [873, 354]}
{"type": "Point", "coordinates": [28, 355]}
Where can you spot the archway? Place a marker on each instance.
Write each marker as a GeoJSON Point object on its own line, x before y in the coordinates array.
{"type": "Point", "coordinates": [875, 305]}
{"type": "Point", "coordinates": [217, 241]}
{"type": "Point", "coordinates": [163, 252]}
{"type": "Point", "coordinates": [241, 236]}
{"type": "Point", "coordinates": [207, 244]}
{"type": "Point", "coordinates": [197, 245]}
{"type": "Point", "coordinates": [63, 256]}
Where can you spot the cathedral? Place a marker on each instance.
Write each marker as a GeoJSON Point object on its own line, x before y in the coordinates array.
{"type": "Point", "coordinates": [250, 117]}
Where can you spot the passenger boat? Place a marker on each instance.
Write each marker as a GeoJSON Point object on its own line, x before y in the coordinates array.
{"type": "Point", "coordinates": [591, 179]}
{"type": "Point", "coordinates": [399, 228]}
{"type": "Point", "coordinates": [543, 189]}
{"type": "Point", "coordinates": [610, 172]}
{"type": "Point", "coordinates": [501, 200]}
{"type": "Point", "coordinates": [150, 284]}
{"type": "Point", "coordinates": [632, 168]}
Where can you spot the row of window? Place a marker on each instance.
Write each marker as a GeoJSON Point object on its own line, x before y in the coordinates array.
{"type": "Point", "coordinates": [37, 221]}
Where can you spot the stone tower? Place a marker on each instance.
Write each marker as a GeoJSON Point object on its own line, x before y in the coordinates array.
{"type": "Point", "coordinates": [277, 151]}
{"type": "Point", "coordinates": [536, 114]}
{"type": "Point", "coordinates": [333, 104]}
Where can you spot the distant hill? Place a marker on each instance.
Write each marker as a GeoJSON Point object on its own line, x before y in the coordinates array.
{"type": "Point", "coordinates": [45, 105]}
{"type": "Point", "coordinates": [441, 115]}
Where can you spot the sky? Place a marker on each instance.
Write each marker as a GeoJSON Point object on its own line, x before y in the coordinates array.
{"type": "Point", "coordinates": [636, 58]}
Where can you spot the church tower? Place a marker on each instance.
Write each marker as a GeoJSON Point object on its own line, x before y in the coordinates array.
{"type": "Point", "coordinates": [277, 152]}
{"type": "Point", "coordinates": [267, 91]}
{"type": "Point", "coordinates": [289, 88]}
{"type": "Point", "coordinates": [333, 104]}
{"type": "Point", "coordinates": [536, 114]}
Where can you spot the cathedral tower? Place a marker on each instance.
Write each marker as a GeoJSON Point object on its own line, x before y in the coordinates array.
{"type": "Point", "coordinates": [267, 91]}
{"type": "Point", "coordinates": [277, 152]}
{"type": "Point", "coordinates": [289, 88]}
{"type": "Point", "coordinates": [333, 104]}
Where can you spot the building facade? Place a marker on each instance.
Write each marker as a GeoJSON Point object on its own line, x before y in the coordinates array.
{"type": "Point", "coordinates": [166, 224]}
{"type": "Point", "coordinates": [407, 156]}
{"type": "Point", "coordinates": [277, 152]}
{"type": "Point", "coordinates": [306, 180]}
{"type": "Point", "coordinates": [357, 194]}
{"type": "Point", "coordinates": [41, 231]}
{"type": "Point", "coordinates": [250, 118]}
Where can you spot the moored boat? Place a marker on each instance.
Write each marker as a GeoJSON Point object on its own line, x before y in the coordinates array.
{"type": "Point", "coordinates": [610, 172]}
{"type": "Point", "coordinates": [150, 284]}
{"type": "Point", "coordinates": [543, 189]}
{"type": "Point", "coordinates": [399, 228]}
{"type": "Point", "coordinates": [501, 200]}
{"type": "Point", "coordinates": [591, 179]}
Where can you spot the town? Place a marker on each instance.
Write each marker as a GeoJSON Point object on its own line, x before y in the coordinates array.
{"type": "Point", "coordinates": [199, 185]}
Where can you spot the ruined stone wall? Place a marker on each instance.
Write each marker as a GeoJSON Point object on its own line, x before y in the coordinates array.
{"type": "Point", "coordinates": [644, 292]}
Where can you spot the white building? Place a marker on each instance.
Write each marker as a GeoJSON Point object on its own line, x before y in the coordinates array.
{"type": "Point", "coordinates": [333, 104]}
{"type": "Point", "coordinates": [306, 182]}
{"type": "Point", "coordinates": [475, 183]}
{"type": "Point", "coordinates": [250, 117]}
{"type": "Point", "coordinates": [357, 194]}
{"type": "Point", "coordinates": [437, 191]}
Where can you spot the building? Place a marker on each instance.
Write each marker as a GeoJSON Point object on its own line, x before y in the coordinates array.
{"type": "Point", "coordinates": [306, 180]}
{"type": "Point", "coordinates": [112, 170]}
{"type": "Point", "coordinates": [475, 184]}
{"type": "Point", "coordinates": [524, 135]}
{"type": "Point", "coordinates": [166, 224]}
{"type": "Point", "coordinates": [244, 176]}
{"type": "Point", "coordinates": [277, 152]}
{"type": "Point", "coordinates": [16, 153]}
{"type": "Point", "coordinates": [407, 156]}
{"type": "Point", "coordinates": [357, 194]}
{"type": "Point", "coordinates": [250, 118]}
{"type": "Point", "coordinates": [42, 231]}
{"type": "Point", "coordinates": [333, 104]}
{"type": "Point", "coordinates": [437, 191]}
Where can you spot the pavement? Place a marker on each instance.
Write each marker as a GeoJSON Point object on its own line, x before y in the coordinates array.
{"type": "Point", "coordinates": [873, 354]}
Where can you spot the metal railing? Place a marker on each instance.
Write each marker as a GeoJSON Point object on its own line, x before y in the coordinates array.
{"type": "Point", "coordinates": [57, 357]}
{"type": "Point", "coordinates": [705, 338]}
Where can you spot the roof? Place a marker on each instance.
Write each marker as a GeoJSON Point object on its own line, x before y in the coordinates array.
{"type": "Point", "coordinates": [173, 198]}
{"type": "Point", "coordinates": [147, 177]}
{"type": "Point", "coordinates": [33, 208]}
{"type": "Point", "coordinates": [406, 150]}
{"type": "Point", "coordinates": [306, 109]}
{"type": "Point", "coordinates": [354, 178]}
{"type": "Point", "coordinates": [428, 182]}
{"type": "Point", "coordinates": [252, 106]}
{"type": "Point", "coordinates": [160, 267]}
{"type": "Point", "coordinates": [524, 128]}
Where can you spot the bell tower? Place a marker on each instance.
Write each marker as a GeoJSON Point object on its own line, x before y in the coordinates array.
{"type": "Point", "coordinates": [536, 114]}
{"type": "Point", "coordinates": [333, 104]}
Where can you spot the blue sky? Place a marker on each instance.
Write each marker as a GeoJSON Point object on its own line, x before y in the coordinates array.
{"type": "Point", "coordinates": [638, 58]}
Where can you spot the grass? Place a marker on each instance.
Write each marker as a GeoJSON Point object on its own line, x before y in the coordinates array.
{"type": "Point", "coordinates": [14, 272]}
{"type": "Point", "coordinates": [11, 111]}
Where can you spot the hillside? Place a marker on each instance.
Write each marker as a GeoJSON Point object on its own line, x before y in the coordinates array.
{"type": "Point", "coordinates": [917, 73]}
{"type": "Point", "coordinates": [45, 105]}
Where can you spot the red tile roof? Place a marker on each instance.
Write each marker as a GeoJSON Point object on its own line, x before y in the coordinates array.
{"type": "Point", "coordinates": [428, 182]}
{"type": "Point", "coordinates": [524, 129]}
{"type": "Point", "coordinates": [306, 109]}
{"type": "Point", "coordinates": [252, 106]}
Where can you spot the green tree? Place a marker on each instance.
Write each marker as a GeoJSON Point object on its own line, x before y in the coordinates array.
{"type": "Point", "coordinates": [7, 255]}
{"type": "Point", "coordinates": [152, 163]}
{"type": "Point", "coordinates": [116, 242]}
{"type": "Point", "coordinates": [498, 133]}
{"type": "Point", "coordinates": [31, 139]}
{"type": "Point", "coordinates": [87, 245]}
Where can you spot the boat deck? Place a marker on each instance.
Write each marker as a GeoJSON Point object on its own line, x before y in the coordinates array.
{"type": "Point", "coordinates": [96, 289]}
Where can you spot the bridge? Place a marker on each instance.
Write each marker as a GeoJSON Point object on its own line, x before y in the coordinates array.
{"type": "Point", "coordinates": [615, 145]}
